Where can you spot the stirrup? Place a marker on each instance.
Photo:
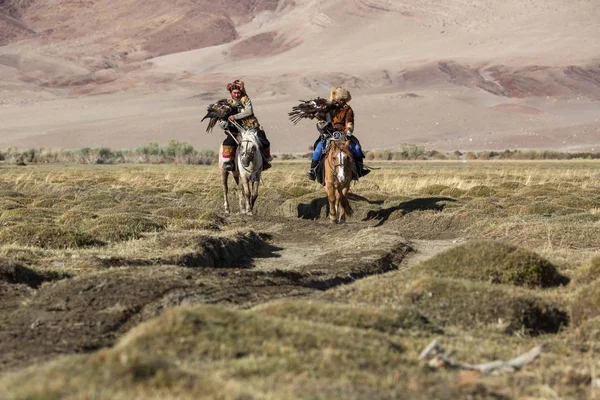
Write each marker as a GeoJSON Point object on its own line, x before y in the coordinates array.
{"type": "Point", "coordinates": [228, 166]}
{"type": "Point", "coordinates": [311, 174]}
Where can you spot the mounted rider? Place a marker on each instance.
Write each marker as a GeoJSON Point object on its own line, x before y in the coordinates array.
{"type": "Point", "coordinates": [339, 119]}
{"type": "Point", "coordinates": [240, 102]}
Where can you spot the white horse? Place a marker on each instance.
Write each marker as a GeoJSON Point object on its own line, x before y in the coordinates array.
{"type": "Point", "coordinates": [248, 169]}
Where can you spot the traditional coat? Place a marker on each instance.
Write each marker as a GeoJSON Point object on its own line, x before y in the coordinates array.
{"type": "Point", "coordinates": [245, 112]}
{"type": "Point", "coordinates": [342, 118]}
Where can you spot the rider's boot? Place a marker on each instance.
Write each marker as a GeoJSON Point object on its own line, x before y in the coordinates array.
{"type": "Point", "coordinates": [228, 152]}
{"type": "Point", "coordinates": [360, 167]}
{"type": "Point", "coordinates": [266, 153]}
{"type": "Point", "coordinates": [312, 172]}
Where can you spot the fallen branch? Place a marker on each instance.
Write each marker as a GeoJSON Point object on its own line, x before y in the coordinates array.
{"type": "Point", "coordinates": [438, 359]}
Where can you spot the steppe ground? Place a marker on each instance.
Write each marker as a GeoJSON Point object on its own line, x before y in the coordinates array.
{"type": "Point", "coordinates": [129, 282]}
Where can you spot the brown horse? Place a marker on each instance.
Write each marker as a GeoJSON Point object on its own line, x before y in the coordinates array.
{"type": "Point", "coordinates": [339, 172]}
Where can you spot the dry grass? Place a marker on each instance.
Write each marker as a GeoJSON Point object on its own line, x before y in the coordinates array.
{"type": "Point", "coordinates": [524, 227]}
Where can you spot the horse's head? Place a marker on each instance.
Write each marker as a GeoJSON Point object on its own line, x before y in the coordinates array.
{"type": "Point", "coordinates": [341, 160]}
{"type": "Point", "coordinates": [248, 148]}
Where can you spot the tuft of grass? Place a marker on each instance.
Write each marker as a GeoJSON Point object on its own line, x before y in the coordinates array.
{"type": "Point", "coordinates": [586, 304]}
{"type": "Point", "coordinates": [480, 191]}
{"type": "Point", "coordinates": [119, 227]}
{"type": "Point", "coordinates": [494, 262]}
{"type": "Point", "coordinates": [434, 190]}
{"type": "Point", "coordinates": [7, 204]}
{"type": "Point", "coordinates": [588, 272]}
{"type": "Point", "coordinates": [452, 192]}
{"type": "Point", "coordinates": [29, 215]}
{"type": "Point", "coordinates": [392, 321]}
{"type": "Point", "coordinates": [476, 305]}
{"type": "Point", "coordinates": [179, 212]}
{"type": "Point", "coordinates": [547, 208]}
{"type": "Point", "coordinates": [46, 236]}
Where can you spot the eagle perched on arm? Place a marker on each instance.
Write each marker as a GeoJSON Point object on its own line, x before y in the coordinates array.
{"type": "Point", "coordinates": [220, 110]}
{"type": "Point", "coordinates": [317, 108]}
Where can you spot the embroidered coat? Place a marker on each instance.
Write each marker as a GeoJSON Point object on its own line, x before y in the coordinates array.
{"type": "Point", "coordinates": [245, 112]}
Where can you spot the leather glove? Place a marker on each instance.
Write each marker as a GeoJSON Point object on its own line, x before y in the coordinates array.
{"type": "Point", "coordinates": [223, 124]}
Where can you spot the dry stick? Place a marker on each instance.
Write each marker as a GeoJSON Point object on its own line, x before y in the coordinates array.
{"type": "Point", "coordinates": [438, 359]}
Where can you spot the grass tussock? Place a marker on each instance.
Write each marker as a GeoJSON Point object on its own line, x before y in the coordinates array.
{"type": "Point", "coordinates": [494, 262]}
{"type": "Point", "coordinates": [393, 321]}
{"type": "Point", "coordinates": [124, 226]}
{"type": "Point", "coordinates": [586, 304]}
{"type": "Point", "coordinates": [480, 306]}
{"type": "Point", "coordinates": [47, 236]}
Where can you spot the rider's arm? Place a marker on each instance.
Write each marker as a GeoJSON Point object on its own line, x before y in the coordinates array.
{"type": "Point", "coordinates": [350, 121]}
{"type": "Point", "coordinates": [248, 111]}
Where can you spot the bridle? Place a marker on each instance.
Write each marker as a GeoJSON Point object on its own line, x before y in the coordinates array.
{"type": "Point", "coordinates": [247, 148]}
{"type": "Point", "coordinates": [343, 154]}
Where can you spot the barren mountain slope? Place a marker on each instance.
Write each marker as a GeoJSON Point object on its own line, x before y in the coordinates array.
{"type": "Point", "coordinates": [531, 68]}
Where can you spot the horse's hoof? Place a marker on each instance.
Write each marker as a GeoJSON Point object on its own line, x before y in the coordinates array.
{"type": "Point", "coordinates": [341, 222]}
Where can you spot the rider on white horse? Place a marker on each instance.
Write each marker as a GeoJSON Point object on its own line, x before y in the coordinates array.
{"type": "Point", "coordinates": [246, 118]}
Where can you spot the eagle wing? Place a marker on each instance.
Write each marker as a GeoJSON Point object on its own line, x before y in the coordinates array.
{"type": "Point", "coordinates": [217, 111]}
{"type": "Point", "coordinates": [316, 108]}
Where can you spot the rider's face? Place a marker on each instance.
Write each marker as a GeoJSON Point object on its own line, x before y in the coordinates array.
{"type": "Point", "coordinates": [236, 94]}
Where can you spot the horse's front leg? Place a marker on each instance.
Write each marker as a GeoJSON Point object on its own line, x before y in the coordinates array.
{"type": "Point", "coordinates": [332, 201]}
{"type": "Point", "coordinates": [224, 175]}
{"type": "Point", "coordinates": [342, 200]}
{"type": "Point", "coordinates": [245, 196]}
{"type": "Point", "coordinates": [254, 194]}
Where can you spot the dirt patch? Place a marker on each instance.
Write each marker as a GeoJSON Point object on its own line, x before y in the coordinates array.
{"type": "Point", "coordinates": [517, 108]}
{"type": "Point", "coordinates": [14, 273]}
{"type": "Point", "coordinates": [289, 259]}
{"type": "Point", "coordinates": [262, 45]}
{"type": "Point", "coordinates": [185, 35]}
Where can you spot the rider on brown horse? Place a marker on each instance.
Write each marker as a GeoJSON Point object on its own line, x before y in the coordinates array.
{"type": "Point", "coordinates": [342, 120]}
{"type": "Point", "coordinates": [240, 102]}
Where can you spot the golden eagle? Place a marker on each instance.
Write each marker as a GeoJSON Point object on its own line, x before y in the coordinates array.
{"type": "Point", "coordinates": [218, 111]}
{"type": "Point", "coordinates": [316, 108]}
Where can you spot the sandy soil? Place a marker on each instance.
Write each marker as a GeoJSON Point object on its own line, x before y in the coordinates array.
{"type": "Point", "coordinates": [461, 75]}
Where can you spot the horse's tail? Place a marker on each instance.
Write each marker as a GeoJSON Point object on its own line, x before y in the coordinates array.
{"type": "Point", "coordinates": [346, 205]}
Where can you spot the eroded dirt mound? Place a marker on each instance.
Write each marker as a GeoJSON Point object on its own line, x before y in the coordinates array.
{"type": "Point", "coordinates": [210, 351]}
{"type": "Point", "coordinates": [239, 268]}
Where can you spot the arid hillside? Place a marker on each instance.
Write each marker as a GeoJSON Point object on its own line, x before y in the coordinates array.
{"type": "Point", "coordinates": [454, 75]}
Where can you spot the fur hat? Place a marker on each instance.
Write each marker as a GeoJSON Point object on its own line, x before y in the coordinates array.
{"type": "Point", "coordinates": [237, 84]}
{"type": "Point", "coordinates": [338, 93]}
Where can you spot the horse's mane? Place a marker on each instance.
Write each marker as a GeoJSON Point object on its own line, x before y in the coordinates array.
{"type": "Point", "coordinates": [343, 146]}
